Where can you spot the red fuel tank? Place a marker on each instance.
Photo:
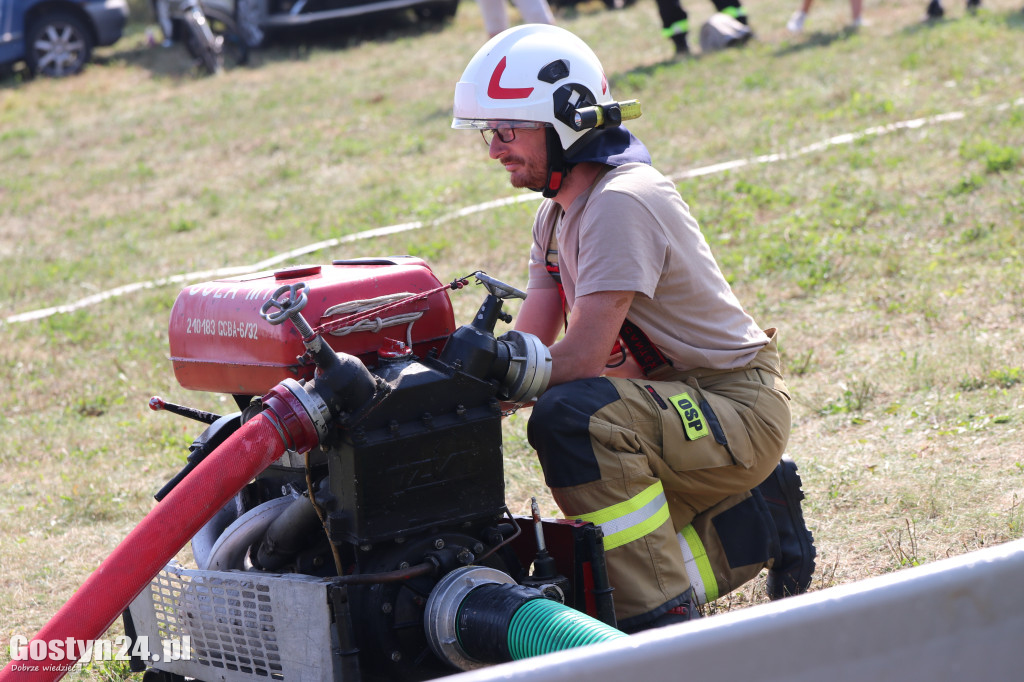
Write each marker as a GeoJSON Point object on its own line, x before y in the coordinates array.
{"type": "Point", "coordinates": [219, 342]}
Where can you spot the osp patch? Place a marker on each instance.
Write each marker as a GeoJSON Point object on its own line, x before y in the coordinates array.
{"type": "Point", "coordinates": [694, 422]}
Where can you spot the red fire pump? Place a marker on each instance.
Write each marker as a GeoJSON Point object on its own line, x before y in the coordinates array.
{"type": "Point", "coordinates": [348, 521]}
{"type": "Point", "coordinates": [220, 343]}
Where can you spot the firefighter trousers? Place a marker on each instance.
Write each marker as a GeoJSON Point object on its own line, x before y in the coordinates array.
{"type": "Point", "coordinates": [668, 469]}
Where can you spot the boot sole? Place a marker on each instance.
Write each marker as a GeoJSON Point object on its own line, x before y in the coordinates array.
{"type": "Point", "coordinates": [791, 487]}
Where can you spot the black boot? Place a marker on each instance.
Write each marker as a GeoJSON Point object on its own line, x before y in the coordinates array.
{"type": "Point", "coordinates": [792, 570]}
{"type": "Point", "coordinates": [935, 10]}
{"type": "Point", "coordinates": [682, 46]}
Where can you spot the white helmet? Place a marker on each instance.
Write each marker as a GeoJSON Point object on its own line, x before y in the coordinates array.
{"type": "Point", "coordinates": [532, 72]}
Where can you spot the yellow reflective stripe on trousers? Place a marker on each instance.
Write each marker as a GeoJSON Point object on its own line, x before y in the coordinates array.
{"type": "Point", "coordinates": [682, 26]}
{"type": "Point", "coordinates": [698, 566]}
{"type": "Point", "coordinates": [631, 520]}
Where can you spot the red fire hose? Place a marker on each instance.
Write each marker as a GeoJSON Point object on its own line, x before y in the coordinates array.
{"type": "Point", "coordinates": [109, 590]}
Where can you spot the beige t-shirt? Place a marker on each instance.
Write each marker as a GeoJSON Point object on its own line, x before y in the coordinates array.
{"type": "Point", "coordinates": [633, 232]}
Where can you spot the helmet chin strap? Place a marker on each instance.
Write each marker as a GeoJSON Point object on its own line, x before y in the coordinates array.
{"type": "Point", "coordinates": [557, 167]}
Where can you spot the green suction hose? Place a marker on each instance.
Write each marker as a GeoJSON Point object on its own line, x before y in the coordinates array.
{"type": "Point", "coordinates": [479, 616]}
{"type": "Point", "coordinates": [541, 626]}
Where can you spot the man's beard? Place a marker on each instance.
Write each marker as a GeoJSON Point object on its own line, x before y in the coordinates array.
{"type": "Point", "coordinates": [535, 178]}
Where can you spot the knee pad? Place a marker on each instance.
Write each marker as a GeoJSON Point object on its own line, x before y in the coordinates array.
{"type": "Point", "coordinates": [559, 430]}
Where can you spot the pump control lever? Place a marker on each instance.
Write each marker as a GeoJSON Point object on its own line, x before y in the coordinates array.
{"type": "Point", "coordinates": [497, 288]}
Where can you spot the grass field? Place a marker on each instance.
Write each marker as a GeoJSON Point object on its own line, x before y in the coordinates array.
{"type": "Point", "coordinates": [879, 223]}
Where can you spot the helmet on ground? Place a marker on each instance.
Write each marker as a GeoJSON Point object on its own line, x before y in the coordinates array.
{"type": "Point", "coordinates": [532, 72]}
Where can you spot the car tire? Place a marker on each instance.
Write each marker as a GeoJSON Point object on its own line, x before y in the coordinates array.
{"type": "Point", "coordinates": [59, 44]}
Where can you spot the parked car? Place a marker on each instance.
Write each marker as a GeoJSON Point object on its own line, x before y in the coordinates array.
{"type": "Point", "coordinates": [57, 37]}
{"type": "Point", "coordinates": [256, 18]}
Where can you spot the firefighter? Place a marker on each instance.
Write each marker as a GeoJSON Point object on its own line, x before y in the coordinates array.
{"type": "Point", "coordinates": [674, 443]}
{"type": "Point", "coordinates": [675, 21]}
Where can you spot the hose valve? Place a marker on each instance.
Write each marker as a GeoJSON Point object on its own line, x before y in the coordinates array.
{"type": "Point", "coordinates": [291, 309]}
{"type": "Point", "coordinates": [343, 383]}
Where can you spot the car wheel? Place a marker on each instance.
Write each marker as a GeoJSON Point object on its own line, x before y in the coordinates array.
{"type": "Point", "coordinates": [59, 44]}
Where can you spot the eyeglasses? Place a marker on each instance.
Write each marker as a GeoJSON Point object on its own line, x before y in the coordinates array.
{"type": "Point", "coordinates": [506, 130]}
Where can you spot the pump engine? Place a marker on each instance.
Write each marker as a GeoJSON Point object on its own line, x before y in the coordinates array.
{"type": "Point", "coordinates": [388, 551]}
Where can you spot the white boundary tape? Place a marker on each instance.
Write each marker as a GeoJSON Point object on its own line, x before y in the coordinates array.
{"type": "Point", "coordinates": [846, 138]}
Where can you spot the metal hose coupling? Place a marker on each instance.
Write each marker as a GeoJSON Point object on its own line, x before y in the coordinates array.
{"type": "Point", "coordinates": [529, 366]}
{"type": "Point", "coordinates": [440, 619]}
{"type": "Point", "coordinates": [478, 616]}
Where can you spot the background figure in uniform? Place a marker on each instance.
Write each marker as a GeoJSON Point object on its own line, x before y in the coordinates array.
{"type": "Point", "coordinates": [796, 22]}
{"type": "Point", "coordinates": [666, 415]}
{"type": "Point", "coordinates": [495, 13]}
{"type": "Point", "coordinates": [935, 10]}
{"type": "Point", "coordinates": [676, 25]}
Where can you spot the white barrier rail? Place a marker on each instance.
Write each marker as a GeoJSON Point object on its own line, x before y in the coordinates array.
{"type": "Point", "coordinates": [956, 619]}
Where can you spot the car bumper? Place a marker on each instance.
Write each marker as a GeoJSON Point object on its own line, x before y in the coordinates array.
{"type": "Point", "coordinates": [109, 17]}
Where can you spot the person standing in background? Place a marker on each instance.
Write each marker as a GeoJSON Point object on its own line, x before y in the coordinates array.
{"type": "Point", "coordinates": [796, 22]}
{"type": "Point", "coordinates": [935, 10]}
{"type": "Point", "coordinates": [495, 14]}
